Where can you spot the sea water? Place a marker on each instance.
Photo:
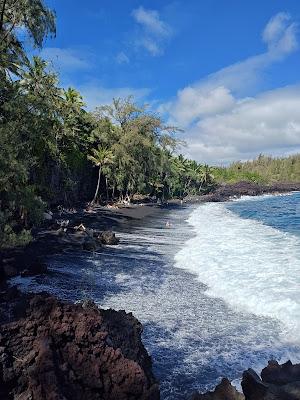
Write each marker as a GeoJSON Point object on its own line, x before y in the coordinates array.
{"type": "Point", "coordinates": [217, 288]}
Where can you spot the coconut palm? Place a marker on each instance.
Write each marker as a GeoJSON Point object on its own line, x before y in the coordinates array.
{"type": "Point", "coordinates": [101, 156]}
{"type": "Point", "coordinates": [17, 18]}
{"type": "Point", "coordinates": [74, 98]}
{"type": "Point", "coordinates": [206, 176]}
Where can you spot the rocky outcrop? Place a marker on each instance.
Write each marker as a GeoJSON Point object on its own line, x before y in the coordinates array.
{"type": "Point", "coordinates": [61, 351]}
{"type": "Point", "coordinates": [108, 238]}
{"type": "Point", "coordinates": [18, 262]}
{"type": "Point", "coordinates": [236, 190]}
{"type": "Point", "coordinates": [27, 261]}
{"type": "Point", "coordinates": [281, 374]}
{"type": "Point", "coordinates": [224, 391]}
{"type": "Point", "coordinates": [88, 239]}
{"type": "Point", "coordinates": [277, 382]}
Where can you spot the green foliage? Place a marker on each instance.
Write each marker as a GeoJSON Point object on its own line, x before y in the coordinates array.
{"type": "Point", "coordinates": [264, 169]}
{"type": "Point", "coordinates": [10, 239]}
{"type": "Point", "coordinates": [17, 19]}
{"type": "Point", "coordinates": [50, 145]}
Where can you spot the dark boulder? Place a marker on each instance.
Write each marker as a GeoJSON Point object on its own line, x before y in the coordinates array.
{"type": "Point", "coordinates": [36, 267]}
{"type": "Point", "coordinates": [89, 244]}
{"type": "Point", "coordinates": [10, 270]}
{"type": "Point", "coordinates": [281, 374]}
{"type": "Point", "coordinates": [108, 238]}
{"type": "Point", "coordinates": [223, 391]}
{"type": "Point", "coordinates": [279, 382]}
{"type": "Point", "coordinates": [17, 261]}
{"type": "Point", "coordinates": [252, 385]}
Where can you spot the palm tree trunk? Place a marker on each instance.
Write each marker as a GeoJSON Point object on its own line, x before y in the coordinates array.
{"type": "Point", "coordinates": [106, 183]}
{"type": "Point", "coordinates": [98, 185]}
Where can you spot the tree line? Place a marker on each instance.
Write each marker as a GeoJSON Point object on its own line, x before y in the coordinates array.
{"type": "Point", "coordinates": [264, 169]}
{"type": "Point", "coordinates": [55, 152]}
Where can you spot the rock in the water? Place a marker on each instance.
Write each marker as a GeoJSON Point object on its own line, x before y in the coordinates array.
{"type": "Point", "coordinates": [62, 351]}
{"type": "Point", "coordinates": [89, 244]}
{"type": "Point", "coordinates": [108, 238]}
{"type": "Point", "coordinates": [36, 267]}
{"type": "Point", "coordinates": [224, 391]}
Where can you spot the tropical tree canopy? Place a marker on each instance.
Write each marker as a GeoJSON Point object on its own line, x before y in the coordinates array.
{"type": "Point", "coordinates": [19, 18]}
{"type": "Point", "coordinates": [55, 152]}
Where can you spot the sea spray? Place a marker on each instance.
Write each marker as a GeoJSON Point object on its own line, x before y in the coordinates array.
{"type": "Point", "coordinates": [250, 265]}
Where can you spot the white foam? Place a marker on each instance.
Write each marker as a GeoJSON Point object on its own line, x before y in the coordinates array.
{"type": "Point", "coordinates": [251, 266]}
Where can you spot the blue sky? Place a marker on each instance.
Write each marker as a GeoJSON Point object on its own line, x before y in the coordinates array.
{"type": "Point", "coordinates": [227, 71]}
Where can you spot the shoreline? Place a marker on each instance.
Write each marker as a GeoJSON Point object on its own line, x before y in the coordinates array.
{"type": "Point", "coordinates": [233, 191]}
{"type": "Point", "coordinates": [105, 218]}
{"type": "Point", "coordinates": [49, 240]}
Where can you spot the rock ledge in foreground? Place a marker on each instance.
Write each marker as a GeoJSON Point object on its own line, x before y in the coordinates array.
{"type": "Point", "coordinates": [61, 351]}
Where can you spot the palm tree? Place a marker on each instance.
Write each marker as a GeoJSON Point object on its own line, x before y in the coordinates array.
{"type": "Point", "coordinates": [74, 98]}
{"type": "Point", "coordinates": [34, 17]}
{"type": "Point", "coordinates": [101, 156]}
{"type": "Point", "coordinates": [41, 85]}
{"type": "Point", "coordinates": [206, 177]}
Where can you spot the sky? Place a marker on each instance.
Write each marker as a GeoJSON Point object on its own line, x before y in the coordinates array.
{"type": "Point", "coordinates": [225, 71]}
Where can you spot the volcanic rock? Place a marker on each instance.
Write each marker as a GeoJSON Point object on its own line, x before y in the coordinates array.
{"type": "Point", "coordinates": [108, 238]}
{"type": "Point", "coordinates": [61, 351]}
{"type": "Point", "coordinates": [224, 391]}
{"type": "Point", "coordinates": [89, 244]}
{"type": "Point", "coordinates": [226, 192]}
{"type": "Point", "coordinates": [279, 382]}
{"type": "Point", "coordinates": [281, 374]}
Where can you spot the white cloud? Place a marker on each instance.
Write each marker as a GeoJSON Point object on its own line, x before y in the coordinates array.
{"type": "Point", "coordinates": [215, 92]}
{"type": "Point", "coordinates": [193, 102]}
{"type": "Point", "coordinates": [222, 122]}
{"type": "Point", "coordinates": [267, 123]}
{"type": "Point", "coordinates": [151, 22]}
{"type": "Point", "coordinates": [122, 58]}
{"type": "Point", "coordinates": [151, 46]}
{"type": "Point", "coordinates": [154, 32]}
{"type": "Point", "coordinates": [94, 94]}
{"type": "Point", "coordinates": [280, 34]}
{"type": "Point", "coordinates": [65, 59]}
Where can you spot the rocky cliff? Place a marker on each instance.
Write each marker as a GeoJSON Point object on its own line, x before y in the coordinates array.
{"type": "Point", "coordinates": [53, 350]}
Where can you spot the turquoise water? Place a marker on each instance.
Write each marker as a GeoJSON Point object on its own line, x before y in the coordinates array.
{"type": "Point", "coordinates": [217, 292]}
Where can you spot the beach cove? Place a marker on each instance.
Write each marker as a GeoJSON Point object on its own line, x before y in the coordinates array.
{"type": "Point", "coordinates": [194, 334]}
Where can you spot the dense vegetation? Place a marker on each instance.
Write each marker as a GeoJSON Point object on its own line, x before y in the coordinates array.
{"type": "Point", "coordinates": [264, 169]}
{"type": "Point", "coordinates": [53, 152]}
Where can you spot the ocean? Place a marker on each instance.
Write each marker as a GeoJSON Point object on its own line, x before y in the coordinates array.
{"type": "Point", "coordinates": [216, 287]}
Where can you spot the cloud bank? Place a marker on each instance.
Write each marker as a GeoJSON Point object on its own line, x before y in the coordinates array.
{"type": "Point", "coordinates": [223, 123]}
